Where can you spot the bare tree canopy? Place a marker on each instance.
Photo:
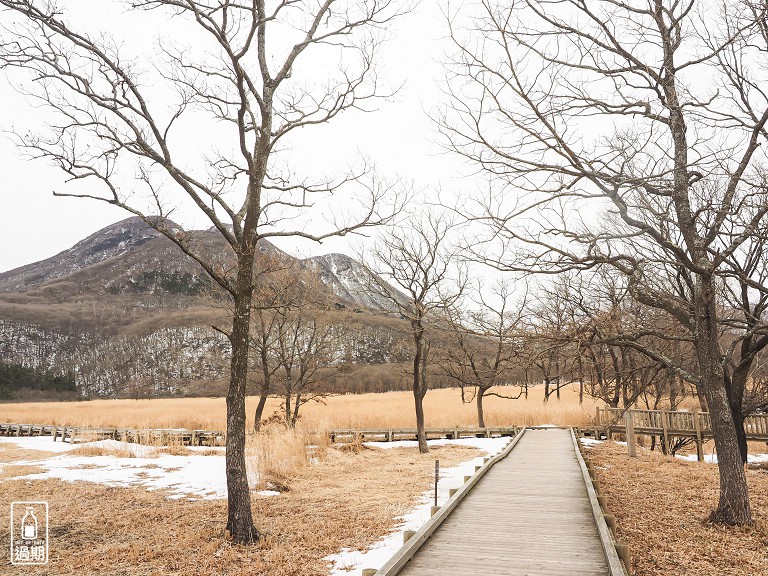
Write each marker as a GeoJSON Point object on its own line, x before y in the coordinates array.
{"type": "Point", "coordinates": [624, 134]}
{"type": "Point", "coordinates": [417, 255]}
{"type": "Point", "coordinates": [490, 342]}
{"type": "Point", "coordinates": [233, 79]}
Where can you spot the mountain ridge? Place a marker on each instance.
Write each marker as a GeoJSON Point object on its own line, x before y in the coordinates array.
{"type": "Point", "coordinates": [131, 257]}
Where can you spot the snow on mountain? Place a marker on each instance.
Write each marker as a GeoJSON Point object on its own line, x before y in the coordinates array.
{"type": "Point", "coordinates": [350, 280]}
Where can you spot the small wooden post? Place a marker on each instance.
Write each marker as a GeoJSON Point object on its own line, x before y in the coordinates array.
{"type": "Point", "coordinates": [407, 535]}
{"type": "Point", "coordinates": [603, 501]}
{"type": "Point", "coordinates": [699, 443]}
{"type": "Point", "coordinates": [433, 510]}
{"type": "Point", "coordinates": [53, 433]}
{"type": "Point", "coordinates": [369, 571]}
{"type": "Point", "coordinates": [466, 479]}
{"type": "Point", "coordinates": [631, 440]}
{"type": "Point", "coordinates": [623, 551]}
{"type": "Point", "coordinates": [665, 428]}
{"type": "Point", "coordinates": [452, 491]}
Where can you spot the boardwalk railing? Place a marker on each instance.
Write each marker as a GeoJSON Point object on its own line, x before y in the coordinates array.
{"type": "Point", "coordinates": [672, 424]}
{"type": "Point", "coordinates": [132, 435]}
{"type": "Point", "coordinates": [617, 566]}
{"type": "Point", "coordinates": [661, 422]}
{"type": "Point", "coordinates": [392, 434]}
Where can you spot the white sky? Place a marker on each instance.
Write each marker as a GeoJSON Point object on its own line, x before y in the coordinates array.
{"type": "Point", "coordinates": [399, 137]}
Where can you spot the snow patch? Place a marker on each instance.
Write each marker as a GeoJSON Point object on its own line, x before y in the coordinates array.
{"type": "Point", "coordinates": [194, 476]}
{"type": "Point", "coordinates": [590, 441]}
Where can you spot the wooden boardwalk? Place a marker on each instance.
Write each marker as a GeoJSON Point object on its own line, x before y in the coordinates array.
{"type": "Point", "coordinates": [530, 515]}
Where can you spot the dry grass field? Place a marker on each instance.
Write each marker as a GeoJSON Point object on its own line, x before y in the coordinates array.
{"type": "Point", "coordinates": [348, 500]}
{"type": "Point", "coordinates": [392, 409]}
{"type": "Point", "coordinates": [661, 504]}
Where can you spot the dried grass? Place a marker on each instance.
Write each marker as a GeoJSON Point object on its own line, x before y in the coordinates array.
{"type": "Point", "coordinates": [388, 410]}
{"type": "Point", "coordinates": [278, 454]}
{"type": "Point", "coordinates": [661, 504]}
{"type": "Point", "coordinates": [13, 453]}
{"type": "Point", "coordinates": [15, 471]}
{"type": "Point", "coordinates": [346, 501]}
{"type": "Point", "coordinates": [86, 450]}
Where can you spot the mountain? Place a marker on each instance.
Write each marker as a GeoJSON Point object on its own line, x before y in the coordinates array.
{"type": "Point", "coordinates": [350, 280]}
{"type": "Point", "coordinates": [132, 259]}
{"type": "Point", "coordinates": [113, 241]}
{"type": "Point", "coordinates": [125, 312]}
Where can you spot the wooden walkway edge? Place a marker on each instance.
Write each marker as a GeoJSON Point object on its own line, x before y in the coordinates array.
{"type": "Point", "coordinates": [533, 512]}
{"type": "Point", "coordinates": [410, 548]}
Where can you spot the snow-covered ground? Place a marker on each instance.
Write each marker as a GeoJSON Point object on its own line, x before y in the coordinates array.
{"type": "Point", "coordinates": [352, 563]}
{"type": "Point", "coordinates": [712, 458]}
{"type": "Point", "coordinates": [189, 476]}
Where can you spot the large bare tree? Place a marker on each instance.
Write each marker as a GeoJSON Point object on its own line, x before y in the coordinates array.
{"type": "Point", "coordinates": [651, 112]}
{"type": "Point", "coordinates": [231, 78]}
{"type": "Point", "coordinates": [488, 345]}
{"type": "Point", "coordinates": [418, 256]}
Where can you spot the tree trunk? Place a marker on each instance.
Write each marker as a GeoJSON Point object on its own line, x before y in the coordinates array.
{"type": "Point", "coordinates": [735, 385]}
{"type": "Point", "coordinates": [733, 506]}
{"type": "Point", "coordinates": [741, 435]}
{"type": "Point", "coordinates": [480, 415]}
{"type": "Point", "coordinates": [266, 384]}
{"type": "Point", "coordinates": [239, 517]}
{"type": "Point", "coordinates": [421, 435]}
{"type": "Point", "coordinates": [419, 360]}
{"type": "Point", "coordinates": [263, 395]}
{"type": "Point", "coordinates": [296, 406]}
{"type": "Point", "coordinates": [287, 408]}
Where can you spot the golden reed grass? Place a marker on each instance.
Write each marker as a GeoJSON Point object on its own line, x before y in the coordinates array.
{"type": "Point", "coordinates": [443, 408]}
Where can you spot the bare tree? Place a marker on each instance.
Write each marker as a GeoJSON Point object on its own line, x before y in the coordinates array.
{"type": "Point", "coordinates": [305, 346]}
{"type": "Point", "coordinates": [585, 107]}
{"type": "Point", "coordinates": [416, 255]}
{"type": "Point", "coordinates": [278, 288]}
{"type": "Point", "coordinates": [114, 114]}
{"type": "Point", "coordinates": [489, 347]}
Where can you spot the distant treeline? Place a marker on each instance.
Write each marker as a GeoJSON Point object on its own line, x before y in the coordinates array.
{"type": "Point", "coordinates": [15, 378]}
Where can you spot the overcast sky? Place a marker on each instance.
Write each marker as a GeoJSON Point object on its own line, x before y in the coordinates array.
{"type": "Point", "coordinates": [400, 137]}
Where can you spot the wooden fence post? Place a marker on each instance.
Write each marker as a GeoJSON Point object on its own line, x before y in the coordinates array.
{"type": "Point", "coordinates": [665, 429]}
{"type": "Point", "coordinates": [630, 424]}
{"type": "Point", "coordinates": [699, 445]}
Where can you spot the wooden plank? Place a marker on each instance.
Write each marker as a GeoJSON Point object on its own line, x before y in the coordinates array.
{"type": "Point", "coordinates": [530, 514]}
{"type": "Point", "coordinates": [395, 564]}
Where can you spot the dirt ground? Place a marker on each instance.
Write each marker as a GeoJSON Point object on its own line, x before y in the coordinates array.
{"type": "Point", "coordinates": [661, 504]}
{"type": "Point", "coordinates": [347, 501]}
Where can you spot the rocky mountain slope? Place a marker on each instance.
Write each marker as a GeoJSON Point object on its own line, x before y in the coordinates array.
{"type": "Point", "coordinates": [131, 258]}
{"type": "Point", "coordinates": [125, 311]}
